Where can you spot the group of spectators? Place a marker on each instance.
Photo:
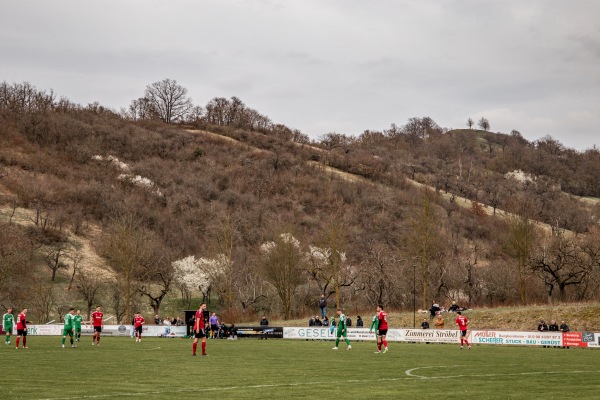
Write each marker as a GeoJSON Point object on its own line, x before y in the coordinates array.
{"type": "Point", "coordinates": [316, 321]}
{"type": "Point", "coordinates": [553, 326]}
{"type": "Point", "coordinates": [175, 321]}
{"type": "Point", "coordinates": [438, 322]}
{"type": "Point", "coordinates": [436, 309]}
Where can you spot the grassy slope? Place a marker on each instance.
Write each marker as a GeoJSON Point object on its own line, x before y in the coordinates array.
{"type": "Point", "coordinates": [252, 369]}
{"type": "Point", "coordinates": [584, 317]}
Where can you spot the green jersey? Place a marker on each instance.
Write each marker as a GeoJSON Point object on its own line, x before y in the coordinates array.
{"type": "Point", "coordinates": [8, 321]}
{"type": "Point", "coordinates": [78, 319]}
{"type": "Point", "coordinates": [375, 323]}
{"type": "Point", "coordinates": [341, 323]}
{"type": "Point", "coordinates": [69, 321]}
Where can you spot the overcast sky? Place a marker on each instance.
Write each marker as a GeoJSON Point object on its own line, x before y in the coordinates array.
{"type": "Point", "coordinates": [326, 66]}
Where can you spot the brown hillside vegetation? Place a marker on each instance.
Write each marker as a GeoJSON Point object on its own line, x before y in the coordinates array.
{"type": "Point", "coordinates": [253, 217]}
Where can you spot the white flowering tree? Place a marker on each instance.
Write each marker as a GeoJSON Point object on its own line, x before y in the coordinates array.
{"type": "Point", "coordinates": [200, 274]}
{"type": "Point", "coordinates": [191, 277]}
{"type": "Point", "coordinates": [283, 264]}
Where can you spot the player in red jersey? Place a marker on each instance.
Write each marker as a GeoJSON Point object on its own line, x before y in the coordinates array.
{"type": "Point", "coordinates": [22, 328]}
{"type": "Point", "coordinates": [462, 323]}
{"type": "Point", "coordinates": [382, 328]}
{"type": "Point", "coordinates": [199, 332]}
{"type": "Point", "coordinates": [98, 324]}
{"type": "Point", "coordinates": [138, 321]}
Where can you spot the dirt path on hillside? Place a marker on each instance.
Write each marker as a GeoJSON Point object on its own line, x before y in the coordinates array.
{"type": "Point", "coordinates": [91, 261]}
{"type": "Point", "coordinates": [349, 177]}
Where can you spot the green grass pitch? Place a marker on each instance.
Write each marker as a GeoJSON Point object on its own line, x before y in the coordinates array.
{"type": "Point", "coordinates": [281, 369]}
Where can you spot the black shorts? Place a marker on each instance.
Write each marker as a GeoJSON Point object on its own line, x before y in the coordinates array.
{"type": "Point", "coordinates": [21, 332]}
{"type": "Point", "coordinates": [463, 333]}
{"type": "Point", "coordinates": [214, 327]}
{"type": "Point", "coordinates": [382, 332]}
{"type": "Point", "coordinates": [199, 335]}
{"type": "Point", "coordinates": [98, 329]}
{"type": "Point", "coordinates": [139, 329]}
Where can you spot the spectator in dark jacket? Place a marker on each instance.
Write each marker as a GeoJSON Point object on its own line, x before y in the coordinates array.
{"type": "Point", "coordinates": [553, 326]}
{"type": "Point", "coordinates": [542, 326]}
{"type": "Point", "coordinates": [264, 321]}
{"type": "Point", "coordinates": [425, 324]}
{"type": "Point", "coordinates": [359, 322]}
{"type": "Point", "coordinates": [323, 306]}
{"type": "Point", "coordinates": [564, 327]}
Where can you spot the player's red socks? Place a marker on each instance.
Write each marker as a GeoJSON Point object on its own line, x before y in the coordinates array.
{"type": "Point", "coordinates": [379, 345]}
{"type": "Point", "coordinates": [203, 348]}
{"type": "Point", "coordinates": [462, 341]}
{"type": "Point", "coordinates": [194, 347]}
{"type": "Point", "coordinates": [18, 337]}
{"type": "Point", "coordinates": [467, 342]}
{"type": "Point", "coordinates": [385, 344]}
{"type": "Point", "coordinates": [24, 341]}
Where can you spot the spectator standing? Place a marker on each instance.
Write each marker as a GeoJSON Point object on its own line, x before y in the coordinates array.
{"type": "Point", "coordinates": [157, 320]}
{"type": "Point", "coordinates": [264, 321]}
{"type": "Point", "coordinates": [348, 322]}
{"type": "Point", "coordinates": [214, 325]}
{"type": "Point", "coordinates": [359, 322]}
{"type": "Point", "coordinates": [434, 309]}
{"type": "Point", "coordinates": [323, 305]}
{"type": "Point", "coordinates": [439, 322]}
{"type": "Point", "coordinates": [325, 321]}
{"type": "Point", "coordinates": [564, 328]}
{"type": "Point", "coordinates": [425, 324]}
{"type": "Point", "coordinates": [553, 327]}
{"type": "Point", "coordinates": [167, 324]}
{"type": "Point", "coordinates": [311, 321]}
{"type": "Point", "coordinates": [542, 326]}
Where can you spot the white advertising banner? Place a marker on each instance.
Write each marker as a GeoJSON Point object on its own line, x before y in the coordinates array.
{"type": "Point", "coordinates": [110, 330]}
{"type": "Point", "coordinates": [431, 335]}
{"type": "Point", "coordinates": [519, 338]}
{"type": "Point", "coordinates": [325, 333]}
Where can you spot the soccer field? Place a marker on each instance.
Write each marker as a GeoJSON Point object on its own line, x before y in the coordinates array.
{"type": "Point", "coordinates": [280, 369]}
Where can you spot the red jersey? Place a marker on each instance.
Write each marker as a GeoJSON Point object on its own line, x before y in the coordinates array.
{"type": "Point", "coordinates": [382, 317]}
{"type": "Point", "coordinates": [97, 318]}
{"type": "Point", "coordinates": [200, 319]}
{"type": "Point", "coordinates": [21, 322]}
{"type": "Point", "coordinates": [138, 321]}
{"type": "Point", "coordinates": [462, 322]}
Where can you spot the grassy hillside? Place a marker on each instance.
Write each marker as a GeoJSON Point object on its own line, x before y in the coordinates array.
{"type": "Point", "coordinates": [579, 317]}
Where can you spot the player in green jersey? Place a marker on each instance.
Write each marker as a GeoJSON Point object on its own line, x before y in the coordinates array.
{"type": "Point", "coordinates": [8, 321]}
{"type": "Point", "coordinates": [78, 319]}
{"type": "Point", "coordinates": [69, 326]}
{"type": "Point", "coordinates": [341, 330]}
{"type": "Point", "coordinates": [375, 327]}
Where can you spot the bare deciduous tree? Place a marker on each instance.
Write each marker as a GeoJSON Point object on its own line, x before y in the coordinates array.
{"type": "Point", "coordinates": [169, 100]}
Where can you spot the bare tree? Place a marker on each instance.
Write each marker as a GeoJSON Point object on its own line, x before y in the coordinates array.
{"type": "Point", "coordinates": [88, 285]}
{"type": "Point", "coordinates": [283, 267]}
{"type": "Point", "coordinates": [470, 123]}
{"type": "Point", "coordinates": [169, 100]}
{"type": "Point", "coordinates": [124, 245]}
{"type": "Point", "coordinates": [55, 255]}
{"type": "Point", "coordinates": [484, 124]}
